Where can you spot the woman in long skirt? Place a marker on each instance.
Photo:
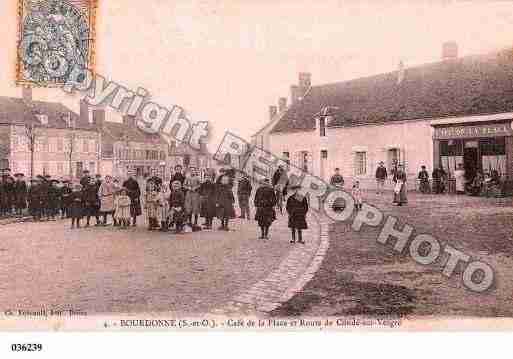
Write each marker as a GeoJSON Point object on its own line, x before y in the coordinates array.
{"type": "Point", "coordinates": [225, 201]}
{"type": "Point", "coordinates": [265, 200]}
{"type": "Point", "coordinates": [400, 192]}
{"type": "Point", "coordinates": [297, 208]}
{"type": "Point", "coordinates": [122, 206]}
{"type": "Point", "coordinates": [151, 204]}
{"type": "Point", "coordinates": [208, 193]}
{"type": "Point", "coordinates": [106, 194]}
{"type": "Point", "coordinates": [163, 208]}
{"type": "Point", "coordinates": [192, 198]}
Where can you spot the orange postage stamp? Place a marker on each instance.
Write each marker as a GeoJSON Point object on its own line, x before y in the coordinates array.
{"type": "Point", "coordinates": [54, 37]}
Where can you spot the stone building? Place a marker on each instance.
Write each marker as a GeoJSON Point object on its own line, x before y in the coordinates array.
{"type": "Point", "coordinates": [458, 110]}
{"type": "Point", "coordinates": [64, 144]}
{"type": "Point", "coordinates": [125, 148]}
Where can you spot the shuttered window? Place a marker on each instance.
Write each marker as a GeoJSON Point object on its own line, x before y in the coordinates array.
{"type": "Point", "coordinates": [360, 163]}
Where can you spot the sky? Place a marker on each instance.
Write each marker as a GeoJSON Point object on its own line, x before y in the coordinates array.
{"type": "Point", "coordinates": [226, 61]}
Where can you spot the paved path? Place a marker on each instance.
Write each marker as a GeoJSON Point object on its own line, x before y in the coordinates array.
{"type": "Point", "coordinates": [106, 270]}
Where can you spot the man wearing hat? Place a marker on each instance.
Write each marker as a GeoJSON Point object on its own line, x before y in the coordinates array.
{"type": "Point", "coordinates": [54, 199]}
{"type": "Point", "coordinates": [244, 189]}
{"type": "Point", "coordinates": [8, 192]}
{"type": "Point", "coordinates": [84, 181]}
{"type": "Point", "coordinates": [3, 195]}
{"type": "Point", "coordinates": [34, 198]}
{"type": "Point", "coordinates": [44, 189]}
{"type": "Point", "coordinates": [20, 193]}
{"type": "Point", "coordinates": [381, 176]}
{"type": "Point", "coordinates": [265, 200]}
{"type": "Point", "coordinates": [134, 192]}
{"type": "Point", "coordinates": [65, 193]}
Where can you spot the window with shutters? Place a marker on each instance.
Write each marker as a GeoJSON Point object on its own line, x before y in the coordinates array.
{"type": "Point", "coordinates": [360, 163]}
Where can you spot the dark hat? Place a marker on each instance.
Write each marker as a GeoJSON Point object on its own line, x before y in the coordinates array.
{"type": "Point", "coordinates": [19, 175]}
{"type": "Point", "coordinates": [39, 177]}
{"type": "Point", "coordinates": [295, 186]}
{"type": "Point", "coordinates": [54, 181]}
{"type": "Point", "coordinates": [337, 169]}
{"type": "Point", "coordinates": [66, 181]}
{"type": "Point", "coordinates": [48, 176]}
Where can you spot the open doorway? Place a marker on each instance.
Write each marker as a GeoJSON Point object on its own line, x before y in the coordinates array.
{"type": "Point", "coordinates": [471, 159]}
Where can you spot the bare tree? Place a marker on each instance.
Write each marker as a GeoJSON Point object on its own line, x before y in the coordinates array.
{"type": "Point", "coordinates": [32, 134]}
{"type": "Point", "coordinates": [72, 140]}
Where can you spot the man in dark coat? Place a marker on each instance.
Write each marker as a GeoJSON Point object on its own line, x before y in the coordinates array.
{"type": "Point", "coordinates": [44, 187]}
{"type": "Point", "coordinates": [244, 189]}
{"type": "Point", "coordinates": [34, 199]}
{"type": "Point", "coordinates": [65, 199]}
{"type": "Point", "coordinates": [3, 196]}
{"type": "Point", "coordinates": [208, 201]}
{"type": "Point", "coordinates": [53, 199]}
{"type": "Point", "coordinates": [439, 176]}
{"type": "Point", "coordinates": [134, 192]}
{"type": "Point", "coordinates": [177, 176]}
{"type": "Point", "coordinates": [424, 180]}
{"type": "Point", "coordinates": [86, 178]}
{"type": "Point", "coordinates": [8, 191]}
{"type": "Point", "coordinates": [381, 176]}
{"type": "Point", "coordinates": [265, 200]}
{"type": "Point", "coordinates": [176, 206]}
{"type": "Point", "coordinates": [20, 194]}
{"type": "Point", "coordinates": [91, 202]}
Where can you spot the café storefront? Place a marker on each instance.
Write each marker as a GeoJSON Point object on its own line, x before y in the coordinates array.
{"type": "Point", "coordinates": [483, 147]}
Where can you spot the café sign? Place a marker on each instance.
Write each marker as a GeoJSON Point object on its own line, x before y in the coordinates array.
{"type": "Point", "coordinates": [488, 130]}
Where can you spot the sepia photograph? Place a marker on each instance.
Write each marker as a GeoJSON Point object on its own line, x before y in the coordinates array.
{"type": "Point", "coordinates": [231, 166]}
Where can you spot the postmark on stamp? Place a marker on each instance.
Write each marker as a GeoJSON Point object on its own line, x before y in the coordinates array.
{"type": "Point", "coordinates": [55, 36]}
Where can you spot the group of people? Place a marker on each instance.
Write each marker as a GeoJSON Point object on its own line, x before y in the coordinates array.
{"type": "Point", "coordinates": [175, 205]}
{"type": "Point", "coordinates": [485, 184]}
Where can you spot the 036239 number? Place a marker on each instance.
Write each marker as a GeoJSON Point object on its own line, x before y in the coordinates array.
{"type": "Point", "coordinates": [26, 347]}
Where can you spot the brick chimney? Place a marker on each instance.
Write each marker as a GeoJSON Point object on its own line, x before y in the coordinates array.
{"type": "Point", "coordinates": [449, 50]}
{"type": "Point", "coordinates": [273, 110]}
{"type": "Point", "coordinates": [282, 104]}
{"type": "Point", "coordinates": [305, 81]}
{"type": "Point", "coordinates": [98, 117]}
{"type": "Point", "coordinates": [129, 120]}
{"type": "Point", "coordinates": [26, 93]}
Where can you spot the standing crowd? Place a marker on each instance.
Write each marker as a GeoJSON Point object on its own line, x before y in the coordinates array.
{"type": "Point", "coordinates": [175, 206]}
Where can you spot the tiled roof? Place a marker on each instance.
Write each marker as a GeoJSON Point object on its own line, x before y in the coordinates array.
{"type": "Point", "coordinates": [17, 111]}
{"type": "Point", "coordinates": [471, 85]}
{"type": "Point", "coordinates": [117, 131]}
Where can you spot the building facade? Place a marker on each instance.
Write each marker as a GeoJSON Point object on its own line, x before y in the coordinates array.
{"type": "Point", "coordinates": [44, 138]}
{"type": "Point", "coordinates": [126, 149]}
{"type": "Point", "coordinates": [458, 110]}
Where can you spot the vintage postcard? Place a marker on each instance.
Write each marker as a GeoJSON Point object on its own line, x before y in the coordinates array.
{"type": "Point", "coordinates": [256, 166]}
{"type": "Point", "coordinates": [54, 38]}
